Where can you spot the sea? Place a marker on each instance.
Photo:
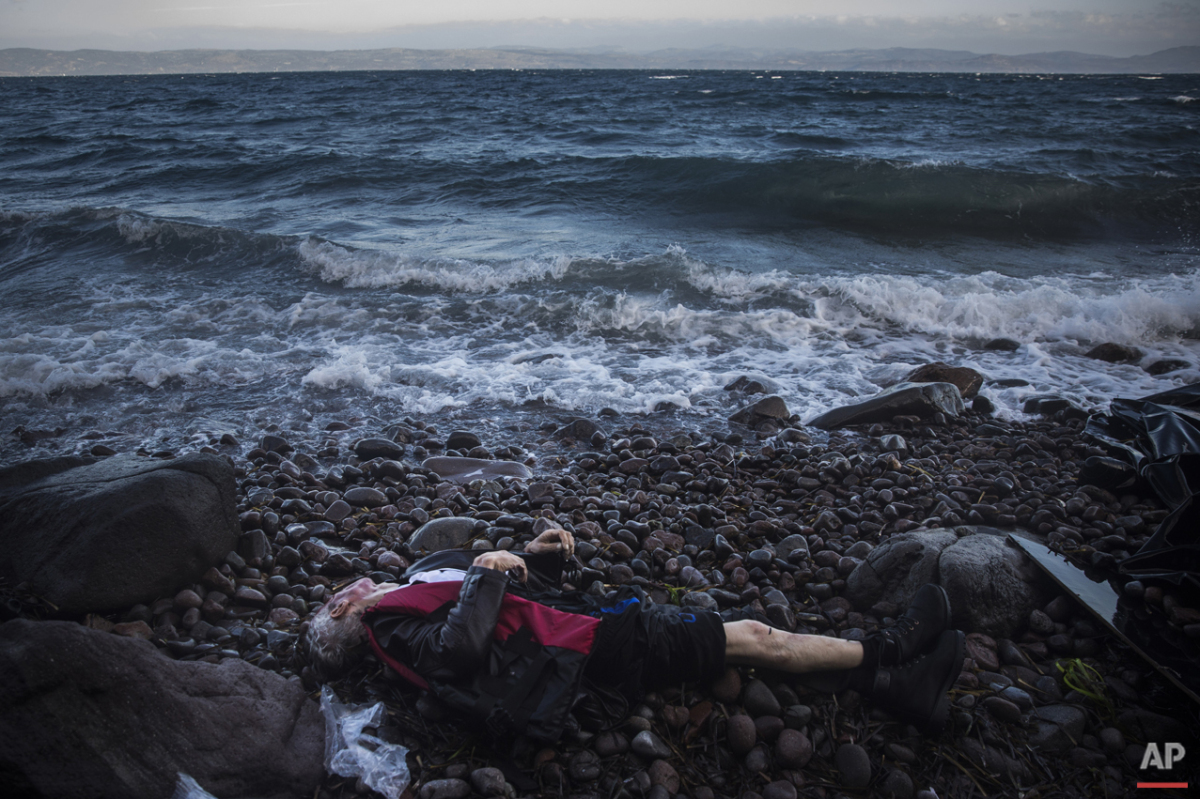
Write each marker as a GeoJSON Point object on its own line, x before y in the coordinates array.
{"type": "Point", "coordinates": [183, 256]}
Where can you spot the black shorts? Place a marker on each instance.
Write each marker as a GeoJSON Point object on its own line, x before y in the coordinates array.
{"type": "Point", "coordinates": [688, 646]}
{"type": "Point", "coordinates": [643, 646]}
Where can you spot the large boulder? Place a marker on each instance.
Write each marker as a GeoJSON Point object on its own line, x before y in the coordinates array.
{"type": "Point", "coordinates": [992, 585]}
{"type": "Point", "coordinates": [905, 399]}
{"type": "Point", "coordinates": [995, 585]}
{"type": "Point", "coordinates": [93, 535]}
{"type": "Point", "coordinates": [85, 713]}
{"type": "Point", "coordinates": [896, 568]}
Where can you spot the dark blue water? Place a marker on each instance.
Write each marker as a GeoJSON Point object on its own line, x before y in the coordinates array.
{"type": "Point", "coordinates": [181, 254]}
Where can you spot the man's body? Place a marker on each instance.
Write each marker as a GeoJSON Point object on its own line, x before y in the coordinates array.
{"type": "Point", "coordinates": [451, 630]}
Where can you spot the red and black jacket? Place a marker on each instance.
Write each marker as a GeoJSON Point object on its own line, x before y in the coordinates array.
{"type": "Point", "coordinates": [512, 663]}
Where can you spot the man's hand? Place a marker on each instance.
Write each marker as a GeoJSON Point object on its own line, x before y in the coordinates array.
{"type": "Point", "coordinates": [556, 540]}
{"type": "Point", "coordinates": [503, 561]}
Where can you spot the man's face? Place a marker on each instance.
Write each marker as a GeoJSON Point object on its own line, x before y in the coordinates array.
{"type": "Point", "coordinates": [352, 600]}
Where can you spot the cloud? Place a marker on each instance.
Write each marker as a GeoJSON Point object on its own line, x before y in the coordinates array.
{"type": "Point", "coordinates": [1108, 27]}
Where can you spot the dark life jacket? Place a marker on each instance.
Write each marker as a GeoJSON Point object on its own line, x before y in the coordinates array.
{"type": "Point", "coordinates": [533, 671]}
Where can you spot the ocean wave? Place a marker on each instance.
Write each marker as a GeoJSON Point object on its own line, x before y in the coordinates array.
{"type": "Point", "coordinates": [990, 305]}
{"type": "Point", "coordinates": [352, 268]}
{"type": "Point", "coordinates": [46, 369]}
{"type": "Point", "coordinates": [55, 242]}
{"type": "Point", "coordinates": [920, 196]}
{"type": "Point", "coordinates": [670, 295]}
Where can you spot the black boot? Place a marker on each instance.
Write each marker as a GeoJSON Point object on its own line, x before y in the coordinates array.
{"type": "Point", "coordinates": [917, 630]}
{"type": "Point", "coordinates": [917, 691]}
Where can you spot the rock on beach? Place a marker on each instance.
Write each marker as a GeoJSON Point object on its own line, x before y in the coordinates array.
{"type": "Point", "coordinates": [464, 470]}
{"type": "Point", "coordinates": [993, 587]}
{"type": "Point", "coordinates": [923, 400]}
{"type": "Point", "coordinates": [92, 535]}
{"type": "Point", "coordinates": [92, 713]}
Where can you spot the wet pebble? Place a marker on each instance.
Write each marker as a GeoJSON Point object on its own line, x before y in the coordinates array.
{"type": "Point", "coordinates": [249, 596]}
{"type": "Point", "coordinates": [362, 496]}
{"type": "Point", "coordinates": [757, 759]}
{"type": "Point", "coordinates": [728, 687]}
{"type": "Point", "coordinates": [1040, 623]}
{"type": "Point", "coordinates": [796, 717]}
{"type": "Point", "coordinates": [897, 785]}
{"type": "Point", "coordinates": [607, 744]}
{"type": "Point", "coordinates": [768, 728]}
{"type": "Point", "coordinates": [451, 788]}
{"type": "Point", "coordinates": [181, 646]}
{"type": "Point", "coordinates": [488, 781]}
{"type": "Point", "coordinates": [584, 766]}
{"type": "Point", "coordinates": [187, 600]}
{"type": "Point", "coordinates": [675, 716]}
{"type": "Point", "coordinates": [760, 700]}
{"type": "Point", "coordinates": [649, 745]}
{"type": "Point", "coordinates": [1018, 697]}
{"type": "Point", "coordinates": [854, 764]}
{"type": "Point", "coordinates": [983, 650]}
{"type": "Point", "coordinates": [779, 789]}
{"type": "Point", "coordinates": [1002, 709]}
{"type": "Point", "coordinates": [337, 510]}
{"type": "Point", "coordinates": [741, 733]}
{"type": "Point", "coordinates": [793, 749]}
{"type": "Point", "coordinates": [663, 773]}
{"type": "Point", "coordinates": [1112, 740]}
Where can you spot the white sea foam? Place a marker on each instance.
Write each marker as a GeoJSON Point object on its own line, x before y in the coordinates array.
{"type": "Point", "coordinates": [141, 229]}
{"type": "Point", "coordinates": [372, 269]}
{"type": "Point", "coordinates": [991, 305]}
{"type": "Point", "coordinates": [1184, 99]}
{"type": "Point", "coordinates": [822, 340]}
{"type": "Point", "coordinates": [731, 283]}
{"type": "Point", "coordinates": [347, 367]}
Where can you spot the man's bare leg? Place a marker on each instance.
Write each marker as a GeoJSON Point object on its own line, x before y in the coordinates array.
{"type": "Point", "coordinates": [752, 643]}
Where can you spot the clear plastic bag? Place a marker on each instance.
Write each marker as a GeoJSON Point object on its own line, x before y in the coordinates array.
{"type": "Point", "coordinates": [188, 788]}
{"type": "Point", "coordinates": [350, 752]}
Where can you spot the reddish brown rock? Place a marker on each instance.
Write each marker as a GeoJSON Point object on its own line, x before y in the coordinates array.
{"type": "Point", "coordinates": [741, 733]}
{"type": "Point", "coordinates": [967, 380]}
{"type": "Point", "coordinates": [664, 774]}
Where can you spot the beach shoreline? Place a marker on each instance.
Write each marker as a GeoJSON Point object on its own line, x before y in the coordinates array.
{"type": "Point", "coordinates": [678, 512]}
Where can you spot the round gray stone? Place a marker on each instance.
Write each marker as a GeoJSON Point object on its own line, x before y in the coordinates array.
{"type": "Point", "coordinates": [447, 532]}
{"type": "Point", "coordinates": [362, 496]}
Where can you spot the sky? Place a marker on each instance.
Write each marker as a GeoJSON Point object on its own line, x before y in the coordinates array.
{"type": "Point", "coordinates": [1104, 27]}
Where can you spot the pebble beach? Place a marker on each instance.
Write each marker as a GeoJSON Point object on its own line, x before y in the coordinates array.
{"type": "Point", "coordinates": [774, 519]}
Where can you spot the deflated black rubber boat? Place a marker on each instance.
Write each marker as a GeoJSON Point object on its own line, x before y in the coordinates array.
{"type": "Point", "coordinates": [1156, 440]}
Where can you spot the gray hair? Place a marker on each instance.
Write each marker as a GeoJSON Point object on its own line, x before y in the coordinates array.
{"type": "Point", "coordinates": [334, 645]}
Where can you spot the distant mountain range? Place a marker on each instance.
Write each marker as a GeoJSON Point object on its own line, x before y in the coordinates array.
{"type": "Point", "coordinates": [24, 62]}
